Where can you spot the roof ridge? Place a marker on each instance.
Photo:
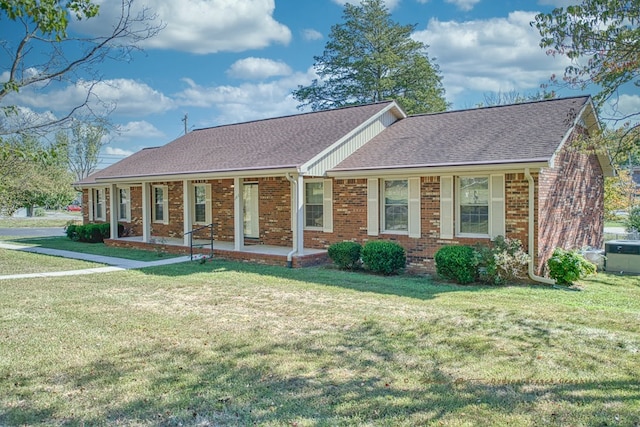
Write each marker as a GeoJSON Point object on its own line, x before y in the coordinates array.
{"type": "Point", "coordinates": [536, 101]}
{"type": "Point", "coordinates": [293, 115]}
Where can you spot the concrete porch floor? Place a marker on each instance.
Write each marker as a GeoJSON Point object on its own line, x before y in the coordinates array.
{"type": "Point", "coordinates": [261, 254]}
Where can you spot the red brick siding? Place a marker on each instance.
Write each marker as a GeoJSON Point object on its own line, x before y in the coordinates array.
{"type": "Point", "coordinates": [350, 219]}
{"type": "Point", "coordinates": [135, 226]}
{"type": "Point", "coordinates": [274, 211]}
{"type": "Point", "coordinates": [571, 204]}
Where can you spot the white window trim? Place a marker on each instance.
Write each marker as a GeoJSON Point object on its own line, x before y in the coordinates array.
{"type": "Point", "coordinates": [308, 227]}
{"type": "Point", "coordinates": [96, 193]}
{"type": "Point", "coordinates": [457, 207]}
{"type": "Point", "coordinates": [128, 207]}
{"type": "Point", "coordinates": [376, 211]}
{"type": "Point", "coordinates": [165, 204]}
{"type": "Point", "coordinates": [207, 219]}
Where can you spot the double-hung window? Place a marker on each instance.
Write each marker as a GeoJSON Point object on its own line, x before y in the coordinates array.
{"type": "Point", "coordinates": [318, 205]}
{"type": "Point", "coordinates": [160, 204]}
{"type": "Point", "coordinates": [202, 203]}
{"type": "Point", "coordinates": [473, 196]}
{"type": "Point", "coordinates": [396, 205]}
{"type": "Point", "coordinates": [473, 207]}
{"type": "Point", "coordinates": [313, 204]}
{"type": "Point", "coordinates": [124, 206]}
{"type": "Point", "coordinates": [393, 206]}
{"type": "Point", "coordinates": [99, 204]}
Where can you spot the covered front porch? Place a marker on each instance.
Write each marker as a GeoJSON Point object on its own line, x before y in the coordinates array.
{"type": "Point", "coordinates": [258, 254]}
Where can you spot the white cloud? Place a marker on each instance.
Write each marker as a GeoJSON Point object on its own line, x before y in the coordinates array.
{"type": "Point", "coordinates": [139, 129]}
{"type": "Point", "coordinates": [202, 26]}
{"type": "Point", "coordinates": [123, 96]}
{"type": "Point", "coordinates": [621, 109]}
{"type": "Point", "coordinates": [23, 117]}
{"type": "Point", "coordinates": [258, 68]}
{"type": "Point", "coordinates": [311, 34]}
{"type": "Point", "coordinates": [248, 101]}
{"type": "Point", "coordinates": [391, 4]}
{"type": "Point", "coordinates": [119, 152]}
{"type": "Point", "coordinates": [465, 5]}
{"type": "Point", "coordinates": [499, 54]}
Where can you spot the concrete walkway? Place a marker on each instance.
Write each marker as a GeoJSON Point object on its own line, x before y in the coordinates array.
{"type": "Point", "coordinates": [116, 264]}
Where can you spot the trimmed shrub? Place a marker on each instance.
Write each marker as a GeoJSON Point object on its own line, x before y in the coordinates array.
{"type": "Point", "coordinates": [346, 255]}
{"type": "Point", "coordinates": [384, 257]}
{"type": "Point", "coordinates": [70, 231]}
{"type": "Point", "coordinates": [90, 233]}
{"type": "Point", "coordinates": [457, 263]}
{"type": "Point", "coordinates": [566, 267]}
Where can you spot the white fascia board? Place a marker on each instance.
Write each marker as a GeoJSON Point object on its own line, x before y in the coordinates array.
{"type": "Point", "coordinates": [137, 180]}
{"type": "Point", "coordinates": [440, 170]}
{"type": "Point", "coordinates": [398, 112]}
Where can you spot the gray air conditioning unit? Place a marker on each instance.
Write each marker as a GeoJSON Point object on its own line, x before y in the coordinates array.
{"type": "Point", "coordinates": [622, 256]}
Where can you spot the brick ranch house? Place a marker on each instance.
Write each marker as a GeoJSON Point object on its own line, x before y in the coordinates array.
{"type": "Point", "coordinates": [281, 190]}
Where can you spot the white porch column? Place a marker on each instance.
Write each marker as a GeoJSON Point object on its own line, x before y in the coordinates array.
{"type": "Point", "coordinates": [146, 212]}
{"type": "Point", "coordinates": [298, 233]}
{"type": "Point", "coordinates": [187, 199]}
{"type": "Point", "coordinates": [113, 208]}
{"type": "Point", "coordinates": [238, 215]}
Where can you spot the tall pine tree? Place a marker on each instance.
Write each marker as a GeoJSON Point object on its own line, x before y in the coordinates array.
{"type": "Point", "coordinates": [371, 58]}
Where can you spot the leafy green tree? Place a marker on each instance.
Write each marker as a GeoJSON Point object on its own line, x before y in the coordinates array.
{"type": "Point", "coordinates": [602, 38]}
{"type": "Point", "coordinates": [32, 174]}
{"type": "Point", "coordinates": [618, 194]}
{"type": "Point", "coordinates": [43, 52]}
{"type": "Point", "coordinates": [81, 146]}
{"type": "Point", "coordinates": [371, 58]}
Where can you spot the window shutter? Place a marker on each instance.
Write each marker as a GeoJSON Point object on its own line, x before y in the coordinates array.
{"type": "Point", "coordinates": [91, 218]}
{"type": "Point", "coordinates": [327, 206]}
{"type": "Point", "coordinates": [496, 212]}
{"type": "Point", "coordinates": [208, 203]}
{"type": "Point", "coordinates": [165, 204]}
{"type": "Point", "coordinates": [373, 209]}
{"type": "Point", "coordinates": [446, 207]}
{"type": "Point", "coordinates": [414, 208]}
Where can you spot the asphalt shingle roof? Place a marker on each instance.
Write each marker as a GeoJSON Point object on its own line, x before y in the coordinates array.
{"type": "Point", "coordinates": [284, 142]}
{"type": "Point", "coordinates": [503, 134]}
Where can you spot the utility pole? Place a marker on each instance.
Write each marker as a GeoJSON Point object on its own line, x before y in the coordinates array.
{"type": "Point", "coordinates": [185, 119]}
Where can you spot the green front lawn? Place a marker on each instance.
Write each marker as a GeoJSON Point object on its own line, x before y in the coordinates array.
{"type": "Point", "coordinates": [237, 344]}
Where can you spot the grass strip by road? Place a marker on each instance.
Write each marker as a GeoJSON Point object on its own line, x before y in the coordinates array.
{"type": "Point", "coordinates": [226, 343]}
{"type": "Point", "coordinates": [36, 222]}
{"type": "Point", "coordinates": [66, 244]}
{"type": "Point", "coordinates": [17, 262]}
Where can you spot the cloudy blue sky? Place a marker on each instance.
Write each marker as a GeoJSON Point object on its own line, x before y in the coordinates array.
{"type": "Point", "coordinates": [227, 61]}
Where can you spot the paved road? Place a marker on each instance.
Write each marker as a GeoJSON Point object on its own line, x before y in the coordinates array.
{"type": "Point", "coordinates": [32, 232]}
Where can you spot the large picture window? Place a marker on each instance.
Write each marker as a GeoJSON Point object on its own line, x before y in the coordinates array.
{"type": "Point", "coordinates": [313, 204]}
{"type": "Point", "coordinates": [396, 205]}
{"type": "Point", "coordinates": [473, 197]}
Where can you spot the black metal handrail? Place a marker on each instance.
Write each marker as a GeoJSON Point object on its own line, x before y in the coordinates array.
{"type": "Point", "coordinates": [190, 233]}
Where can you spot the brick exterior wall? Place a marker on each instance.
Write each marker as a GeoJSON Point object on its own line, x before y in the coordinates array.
{"type": "Point", "coordinates": [571, 204]}
{"type": "Point", "coordinates": [350, 219]}
{"type": "Point", "coordinates": [569, 210]}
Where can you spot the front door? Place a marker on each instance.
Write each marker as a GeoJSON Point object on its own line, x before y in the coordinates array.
{"type": "Point", "coordinates": [250, 209]}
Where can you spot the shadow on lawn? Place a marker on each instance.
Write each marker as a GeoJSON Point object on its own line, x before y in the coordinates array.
{"type": "Point", "coordinates": [245, 384]}
{"type": "Point", "coordinates": [412, 286]}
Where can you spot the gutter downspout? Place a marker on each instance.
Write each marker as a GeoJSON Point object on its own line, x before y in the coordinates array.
{"type": "Point", "coordinates": [532, 275]}
{"type": "Point", "coordinates": [294, 220]}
